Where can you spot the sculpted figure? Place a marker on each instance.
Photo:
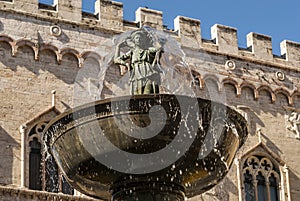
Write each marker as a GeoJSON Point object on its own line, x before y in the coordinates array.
{"type": "Point", "coordinates": [141, 61]}
{"type": "Point", "coordinates": [294, 120]}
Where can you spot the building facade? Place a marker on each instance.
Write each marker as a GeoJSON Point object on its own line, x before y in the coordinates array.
{"type": "Point", "coordinates": [50, 59]}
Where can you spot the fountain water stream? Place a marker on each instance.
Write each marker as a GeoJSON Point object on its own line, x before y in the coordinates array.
{"type": "Point", "coordinates": [153, 147]}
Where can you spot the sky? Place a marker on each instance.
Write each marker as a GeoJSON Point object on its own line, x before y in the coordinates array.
{"type": "Point", "coordinates": [278, 19]}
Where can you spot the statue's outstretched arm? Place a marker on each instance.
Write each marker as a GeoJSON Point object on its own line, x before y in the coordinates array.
{"type": "Point", "coordinates": [121, 60]}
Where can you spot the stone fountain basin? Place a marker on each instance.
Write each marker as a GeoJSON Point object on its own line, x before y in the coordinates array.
{"type": "Point", "coordinates": [179, 140]}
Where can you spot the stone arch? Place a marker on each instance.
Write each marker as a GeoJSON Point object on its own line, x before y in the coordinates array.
{"type": "Point", "coordinates": [92, 54]}
{"type": "Point", "coordinates": [232, 82]}
{"type": "Point", "coordinates": [209, 77]}
{"type": "Point", "coordinates": [87, 79]}
{"type": "Point", "coordinates": [28, 43]}
{"type": "Point", "coordinates": [282, 96]}
{"type": "Point", "coordinates": [85, 56]}
{"type": "Point", "coordinates": [6, 46]}
{"type": "Point", "coordinates": [9, 41]}
{"type": "Point", "coordinates": [35, 162]}
{"type": "Point", "coordinates": [245, 86]}
{"type": "Point", "coordinates": [267, 91]}
{"type": "Point", "coordinates": [69, 51]}
{"type": "Point", "coordinates": [34, 155]}
{"type": "Point", "coordinates": [36, 131]}
{"type": "Point", "coordinates": [295, 98]}
{"type": "Point", "coordinates": [198, 79]}
{"type": "Point", "coordinates": [51, 48]}
{"type": "Point", "coordinates": [6, 38]}
{"type": "Point", "coordinates": [230, 91]}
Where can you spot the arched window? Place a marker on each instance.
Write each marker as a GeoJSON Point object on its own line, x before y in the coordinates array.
{"type": "Point", "coordinates": [44, 173]}
{"type": "Point", "coordinates": [35, 182]}
{"type": "Point", "coordinates": [261, 179]}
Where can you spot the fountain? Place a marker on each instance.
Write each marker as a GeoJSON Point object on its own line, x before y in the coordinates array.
{"type": "Point", "coordinates": [149, 145]}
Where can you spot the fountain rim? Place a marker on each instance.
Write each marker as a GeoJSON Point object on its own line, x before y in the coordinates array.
{"type": "Point", "coordinates": [230, 112]}
{"type": "Point", "coordinates": [139, 97]}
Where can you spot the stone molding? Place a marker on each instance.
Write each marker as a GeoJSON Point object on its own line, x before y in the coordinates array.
{"type": "Point", "coordinates": [10, 193]}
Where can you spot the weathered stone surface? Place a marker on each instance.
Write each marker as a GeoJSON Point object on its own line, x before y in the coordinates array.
{"type": "Point", "coordinates": [33, 63]}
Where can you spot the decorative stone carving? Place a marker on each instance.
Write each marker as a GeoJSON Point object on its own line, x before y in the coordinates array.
{"type": "Point", "coordinates": [37, 130]}
{"type": "Point", "coordinates": [230, 65]}
{"type": "Point", "coordinates": [55, 30]}
{"type": "Point", "coordinates": [294, 123]}
{"type": "Point", "coordinates": [280, 76]}
{"type": "Point", "coordinates": [259, 171]}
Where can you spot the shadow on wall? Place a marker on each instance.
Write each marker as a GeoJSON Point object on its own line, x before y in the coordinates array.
{"type": "Point", "coordinates": [254, 122]}
{"type": "Point", "coordinates": [294, 181]}
{"type": "Point", "coordinates": [272, 145]}
{"type": "Point", "coordinates": [62, 38]}
{"type": "Point", "coordinates": [1, 26]}
{"type": "Point", "coordinates": [7, 144]}
{"type": "Point", "coordinates": [66, 70]}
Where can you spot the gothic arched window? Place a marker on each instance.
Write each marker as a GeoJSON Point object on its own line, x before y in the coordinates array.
{"type": "Point", "coordinates": [44, 173]}
{"type": "Point", "coordinates": [261, 179]}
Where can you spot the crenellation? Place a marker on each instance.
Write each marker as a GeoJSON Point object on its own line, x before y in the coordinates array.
{"type": "Point", "coordinates": [69, 10]}
{"type": "Point", "coordinates": [27, 5]}
{"type": "Point", "coordinates": [6, 5]}
{"type": "Point", "coordinates": [209, 45]}
{"type": "Point", "coordinates": [129, 25]}
{"type": "Point", "coordinates": [108, 17]}
{"type": "Point", "coordinates": [188, 31]}
{"type": "Point", "coordinates": [226, 38]}
{"type": "Point", "coordinates": [30, 6]}
{"type": "Point", "coordinates": [291, 51]}
{"type": "Point", "coordinates": [149, 17]}
{"type": "Point", "coordinates": [260, 45]}
{"type": "Point", "coordinates": [110, 14]}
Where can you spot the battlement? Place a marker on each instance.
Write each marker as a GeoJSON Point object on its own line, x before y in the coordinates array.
{"type": "Point", "coordinates": [108, 16]}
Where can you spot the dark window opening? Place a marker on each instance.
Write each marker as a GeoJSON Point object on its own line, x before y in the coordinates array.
{"type": "Point", "coordinates": [35, 165]}
{"type": "Point", "coordinates": [249, 187]}
{"type": "Point", "coordinates": [44, 173]}
{"type": "Point", "coordinates": [260, 179]}
{"type": "Point", "coordinates": [273, 188]}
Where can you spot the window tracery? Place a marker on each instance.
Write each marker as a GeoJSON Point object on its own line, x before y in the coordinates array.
{"type": "Point", "coordinates": [261, 179]}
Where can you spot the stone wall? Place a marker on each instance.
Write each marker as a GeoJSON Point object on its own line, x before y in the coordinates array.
{"type": "Point", "coordinates": [61, 48]}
